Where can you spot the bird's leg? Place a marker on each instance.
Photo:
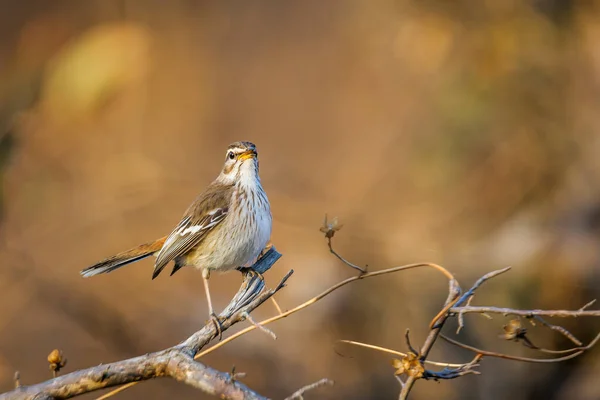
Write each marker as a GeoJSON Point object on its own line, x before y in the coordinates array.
{"type": "Point", "coordinates": [211, 312]}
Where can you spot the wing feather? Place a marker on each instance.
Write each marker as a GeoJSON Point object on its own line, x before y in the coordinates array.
{"type": "Point", "coordinates": [187, 235]}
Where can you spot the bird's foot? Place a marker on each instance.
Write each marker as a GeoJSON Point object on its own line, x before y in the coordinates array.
{"type": "Point", "coordinates": [217, 323]}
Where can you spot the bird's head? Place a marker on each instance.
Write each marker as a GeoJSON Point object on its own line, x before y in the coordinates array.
{"type": "Point", "coordinates": [241, 163]}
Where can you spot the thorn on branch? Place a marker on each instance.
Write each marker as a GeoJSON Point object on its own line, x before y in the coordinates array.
{"type": "Point", "coordinates": [299, 394]}
{"type": "Point", "coordinates": [57, 361]}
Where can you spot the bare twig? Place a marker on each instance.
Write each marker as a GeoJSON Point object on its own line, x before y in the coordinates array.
{"type": "Point", "coordinates": [461, 317]}
{"type": "Point", "coordinates": [299, 394]}
{"type": "Point", "coordinates": [300, 307]}
{"type": "Point", "coordinates": [402, 384]}
{"type": "Point", "coordinates": [559, 329]}
{"type": "Point", "coordinates": [587, 305]}
{"type": "Point", "coordinates": [329, 229]}
{"type": "Point", "coordinates": [276, 304]}
{"type": "Point", "coordinates": [348, 263]}
{"type": "Point", "coordinates": [115, 391]}
{"type": "Point", "coordinates": [176, 362]}
{"type": "Point", "coordinates": [576, 351]}
{"type": "Point", "coordinates": [401, 354]}
{"type": "Point", "coordinates": [259, 326]}
{"type": "Point", "coordinates": [525, 313]}
{"type": "Point", "coordinates": [471, 292]}
{"type": "Point", "coordinates": [320, 296]}
{"type": "Point", "coordinates": [436, 325]}
{"type": "Point", "coordinates": [453, 373]}
{"type": "Point", "coordinates": [408, 344]}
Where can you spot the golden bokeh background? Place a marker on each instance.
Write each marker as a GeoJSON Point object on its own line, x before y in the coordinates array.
{"type": "Point", "coordinates": [462, 133]}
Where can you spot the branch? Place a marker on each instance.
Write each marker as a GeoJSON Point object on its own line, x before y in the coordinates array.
{"type": "Point", "coordinates": [322, 295]}
{"type": "Point", "coordinates": [302, 306]}
{"type": "Point", "coordinates": [176, 362]}
{"type": "Point", "coordinates": [525, 313]}
{"type": "Point", "coordinates": [437, 325]}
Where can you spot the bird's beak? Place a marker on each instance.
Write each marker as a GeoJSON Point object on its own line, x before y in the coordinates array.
{"type": "Point", "coordinates": [247, 154]}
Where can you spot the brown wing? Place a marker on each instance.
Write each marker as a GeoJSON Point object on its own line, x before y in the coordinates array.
{"type": "Point", "coordinates": [208, 211]}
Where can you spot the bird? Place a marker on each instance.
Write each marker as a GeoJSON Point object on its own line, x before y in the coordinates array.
{"type": "Point", "coordinates": [226, 227]}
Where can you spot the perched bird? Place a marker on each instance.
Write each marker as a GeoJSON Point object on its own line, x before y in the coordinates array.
{"type": "Point", "coordinates": [226, 227]}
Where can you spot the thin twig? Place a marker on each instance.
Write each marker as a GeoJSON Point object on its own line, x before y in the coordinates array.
{"type": "Point", "coordinates": [400, 354]}
{"type": "Point", "coordinates": [471, 292]}
{"type": "Point", "coordinates": [320, 296]}
{"type": "Point", "coordinates": [329, 229]}
{"type": "Point", "coordinates": [559, 329]}
{"type": "Point", "coordinates": [402, 384]}
{"type": "Point", "coordinates": [259, 326]}
{"type": "Point", "coordinates": [587, 305]}
{"type": "Point", "coordinates": [348, 263]}
{"type": "Point", "coordinates": [437, 324]}
{"type": "Point", "coordinates": [461, 317]}
{"type": "Point", "coordinates": [276, 305]}
{"type": "Point", "coordinates": [525, 313]}
{"type": "Point", "coordinates": [453, 373]}
{"type": "Point", "coordinates": [299, 394]}
{"type": "Point", "coordinates": [115, 391]}
{"type": "Point", "coordinates": [408, 344]}
{"type": "Point", "coordinates": [576, 352]}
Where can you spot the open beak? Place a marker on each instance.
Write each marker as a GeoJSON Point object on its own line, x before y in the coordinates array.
{"type": "Point", "coordinates": [247, 154]}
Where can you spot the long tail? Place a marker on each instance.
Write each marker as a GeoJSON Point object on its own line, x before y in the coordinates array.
{"type": "Point", "coordinates": [126, 257]}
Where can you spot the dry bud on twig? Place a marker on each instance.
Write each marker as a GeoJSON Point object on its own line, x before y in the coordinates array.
{"type": "Point", "coordinates": [514, 330]}
{"type": "Point", "coordinates": [330, 228]}
{"type": "Point", "coordinates": [409, 365]}
{"type": "Point", "coordinates": [57, 361]}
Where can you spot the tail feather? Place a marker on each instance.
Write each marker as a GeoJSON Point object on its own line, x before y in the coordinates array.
{"type": "Point", "coordinates": [126, 257]}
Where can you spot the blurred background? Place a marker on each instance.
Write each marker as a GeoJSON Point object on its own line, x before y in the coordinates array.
{"type": "Point", "coordinates": [462, 133]}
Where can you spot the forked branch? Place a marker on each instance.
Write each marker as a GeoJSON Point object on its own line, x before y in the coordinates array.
{"type": "Point", "coordinates": [176, 362]}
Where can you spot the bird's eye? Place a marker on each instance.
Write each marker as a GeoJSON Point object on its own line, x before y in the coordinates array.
{"type": "Point", "coordinates": [230, 155]}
